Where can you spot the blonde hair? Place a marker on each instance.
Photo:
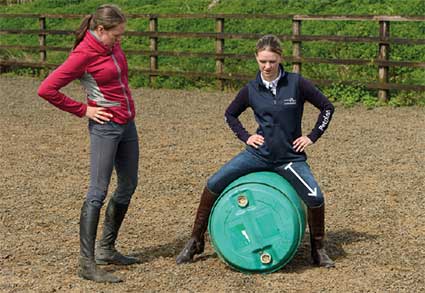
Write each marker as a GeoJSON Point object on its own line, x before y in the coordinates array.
{"type": "Point", "coordinates": [270, 43]}
{"type": "Point", "coordinates": [107, 15]}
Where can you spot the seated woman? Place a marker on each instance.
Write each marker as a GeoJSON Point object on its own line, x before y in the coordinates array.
{"type": "Point", "coordinates": [277, 98]}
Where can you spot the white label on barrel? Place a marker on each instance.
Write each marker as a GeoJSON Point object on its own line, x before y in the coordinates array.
{"type": "Point", "coordinates": [245, 235]}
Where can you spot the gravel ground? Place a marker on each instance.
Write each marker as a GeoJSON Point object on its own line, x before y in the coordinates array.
{"type": "Point", "coordinates": [369, 164]}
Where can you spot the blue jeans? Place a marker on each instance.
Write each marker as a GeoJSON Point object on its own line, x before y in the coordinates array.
{"type": "Point", "coordinates": [113, 145]}
{"type": "Point", "coordinates": [298, 175]}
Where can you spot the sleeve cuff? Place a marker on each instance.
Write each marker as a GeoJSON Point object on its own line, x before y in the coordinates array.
{"type": "Point", "coordinates": [313, 137]}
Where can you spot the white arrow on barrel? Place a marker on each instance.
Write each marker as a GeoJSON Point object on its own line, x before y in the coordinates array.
{"type": "Point", "coordinates": [313, 192]}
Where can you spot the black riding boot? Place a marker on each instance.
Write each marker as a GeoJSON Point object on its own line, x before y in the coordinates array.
{"type": "Point", "coordinates": [316, 223]}
{"type": "Point", "coordinates": [196, 243]}
{"type": "Point", "coordinates": [105, 250]}
{"type": "Point", "coordinates": [89, 219]}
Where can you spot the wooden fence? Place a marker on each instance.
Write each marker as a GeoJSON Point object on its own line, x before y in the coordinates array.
{"type": "Point", "coordinates": [381, 61]}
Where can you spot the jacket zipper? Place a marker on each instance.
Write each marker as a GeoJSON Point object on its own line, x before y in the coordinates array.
{"type": "Point", "coordinates": [122, 84]}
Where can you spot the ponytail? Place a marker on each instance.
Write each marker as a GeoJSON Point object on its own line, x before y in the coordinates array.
{"type": "Point", "coordinates": [81, 31]}
{"type": "Point", "coordinates": [107, 15]}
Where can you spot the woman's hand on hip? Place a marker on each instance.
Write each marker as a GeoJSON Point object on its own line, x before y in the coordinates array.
{"type": "Point", "coordinates": [98, 114]}
{"type": "Point", "coordinates": [255, 140]}
{"type": "Point", "coordinates": [301, 143]}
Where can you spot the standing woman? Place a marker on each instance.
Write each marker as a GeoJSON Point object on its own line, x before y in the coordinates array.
{"type": "Point", "coordinates": [277, 98]}
{"type": "Point", "coordinates": [98, 61]}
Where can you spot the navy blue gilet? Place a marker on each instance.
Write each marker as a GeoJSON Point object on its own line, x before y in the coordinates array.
{"type": "Point", "coordinates": [278, 117]}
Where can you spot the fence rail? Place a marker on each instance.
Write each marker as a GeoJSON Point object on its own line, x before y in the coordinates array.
{"type": "Point", "coordinates": [381, 60]}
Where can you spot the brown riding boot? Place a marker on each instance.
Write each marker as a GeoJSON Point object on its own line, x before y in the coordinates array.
{"type": "Point", "coordinates": [316, 223]}
{"type": "Point", "coordinates": [196, 243]}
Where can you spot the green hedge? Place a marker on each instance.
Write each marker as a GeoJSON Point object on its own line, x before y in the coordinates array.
{"type": "Point", "coordinates": [310, 49]}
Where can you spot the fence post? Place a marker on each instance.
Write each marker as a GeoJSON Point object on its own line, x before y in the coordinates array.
{"type": "Point", "coordinates": [384, 52]}
{"type": "Point", "coordinates": [296, 46]}
{"type": "Point", "coordinates": [153, 46]}
{"type": "Point", "coordinates": [42, 39]}
{"type": "Point", "coordinates": [219, 49]}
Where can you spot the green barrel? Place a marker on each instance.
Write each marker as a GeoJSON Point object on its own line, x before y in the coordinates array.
{"type": "Point", "coordinates": [257, 223]}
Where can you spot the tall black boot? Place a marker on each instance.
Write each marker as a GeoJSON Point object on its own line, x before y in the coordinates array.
{"type": "Point", "coordinates": [89, 220]}
{"type": "Point", "coordinates": [105, 250]}
{"type": "Point", "coordinates": [316, 223]}
{"type": "Point", "coordinates": [196, 243]}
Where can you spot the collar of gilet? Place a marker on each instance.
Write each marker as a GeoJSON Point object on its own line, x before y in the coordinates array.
{"type": "Point", "coordinates": [260, 81]}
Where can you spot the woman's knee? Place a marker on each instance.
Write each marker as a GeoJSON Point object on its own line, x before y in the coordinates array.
{"type": "Point", "coordinates": [315, 201]}
{"type": "Point", "coordinates": [123, 198]}
{"type": "Point", "coordinates": [124, 193]}
{"type": "Point", "coordinates": [96, 199]}
{"type": "Point", "coordinates": [214, 185]}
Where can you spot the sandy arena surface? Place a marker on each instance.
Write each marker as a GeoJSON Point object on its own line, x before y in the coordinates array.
{"type": "Point", "coordinates": [370, 164]}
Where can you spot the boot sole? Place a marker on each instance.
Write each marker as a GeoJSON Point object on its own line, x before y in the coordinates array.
{"type": "Point", "coordinates": [111, 262]}
{"type": "Point", "coordinates": [82, 276]}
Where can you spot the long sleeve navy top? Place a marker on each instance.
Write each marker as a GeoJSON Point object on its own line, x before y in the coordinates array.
{"type": "Point", "coordinates": [279, 116]}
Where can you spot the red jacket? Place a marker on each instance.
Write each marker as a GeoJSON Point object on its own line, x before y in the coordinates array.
{"type": "Point", "coordinates": [104, 74]}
